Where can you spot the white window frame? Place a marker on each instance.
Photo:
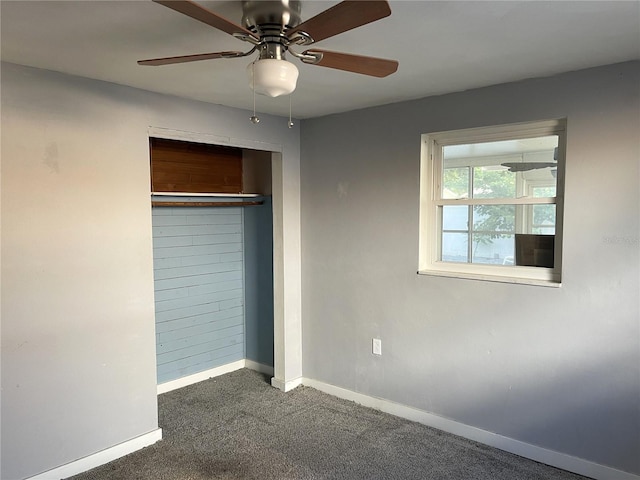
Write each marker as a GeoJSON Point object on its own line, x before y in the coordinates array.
{"type": "Point", "coordinates": [431, 203]}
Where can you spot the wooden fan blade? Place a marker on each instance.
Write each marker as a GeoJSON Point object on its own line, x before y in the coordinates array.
{"type": "Point", "coordinates": [198, 12]}
{"type": "Point", "coordinates": [342, 17]}
{"type": "Point", "coordinates": [375, 67]}
{"type": "Point", "coordinates": [190, 58]}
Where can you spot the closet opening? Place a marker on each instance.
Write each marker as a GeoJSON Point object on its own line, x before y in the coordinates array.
{"type": "Point", "coordinates": [212, 219]}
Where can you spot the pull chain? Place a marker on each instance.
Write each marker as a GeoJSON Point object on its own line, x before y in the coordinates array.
{"type": "Point", "coordinates": [290, 124]}
{"type": "Point", "coordinates": [254, 119]}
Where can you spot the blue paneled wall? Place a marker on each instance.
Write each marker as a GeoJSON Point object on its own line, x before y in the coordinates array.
{"type": "Point", "coordinates": [199, 288]}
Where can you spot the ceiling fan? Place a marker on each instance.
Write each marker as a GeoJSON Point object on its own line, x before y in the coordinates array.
{"type": "Point", "coordinates": [273, 27]}
{"type": "Point", "coordinates": [526, 166]}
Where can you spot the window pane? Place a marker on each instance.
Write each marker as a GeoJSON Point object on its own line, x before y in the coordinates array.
{"type": "Point", "coordinates": [455, 182]}
{"type": "Point", "coordinates": [546, 191]}
{"type": "Point", "coordinates": [455, 247]}
{"type": "Point", "coordinates": [502, 169]}
{"type": "Point", "coordinates": [544, 219]}
{"type": "Point", "coordinates": [544, 230]}
{"type": "Point", "coordinates": [493, 182]}
{"type": "Point", "coordinates": [535, 250]}
{"type": "Point", "coordinates": [493, 219]}
{"type": "Point", "coordinates": [497, 250]}
{"type": "Point", "coordinates": [455, 217]}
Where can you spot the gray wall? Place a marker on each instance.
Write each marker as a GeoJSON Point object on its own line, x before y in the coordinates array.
{"type": "Point", "coordinates": [557, 368]}
{"type": "Point", "coordinates": [78, 340]}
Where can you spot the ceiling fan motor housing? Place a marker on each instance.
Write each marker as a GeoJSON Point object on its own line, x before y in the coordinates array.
{"type": "Point", "coordinates": [270, 17]}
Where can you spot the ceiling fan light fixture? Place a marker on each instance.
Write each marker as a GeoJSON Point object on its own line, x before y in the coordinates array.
{"type": "Point", "coordinates": [272, 77]}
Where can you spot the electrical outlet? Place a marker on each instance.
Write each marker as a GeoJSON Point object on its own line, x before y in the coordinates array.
{"type": "Point", "coordinates": [377, 346]}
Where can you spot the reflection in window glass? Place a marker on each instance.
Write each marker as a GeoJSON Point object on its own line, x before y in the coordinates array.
{"type": "Point", "coordinates": [455, 182]}
{"type": "Point", "coordinates": [544, 191]}
{"type": "Point", "coordinates": [498, 169]}
{"type": "Point", "coordinates": [495, 251]}
{"type": "Point", "coordinates": [493, 219]}
{"type": "Point", "coordinates": [544, 219]}
{"type": "Point", "coordinates": [455, 247]}
{"type": "Point", "coordinates": [493, 182]}
{"type": "Point", "coordinates": [509, 170]}
{"type": "Point", "coordinates": [455, 217]}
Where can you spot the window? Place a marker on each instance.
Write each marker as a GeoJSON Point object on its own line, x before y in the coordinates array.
{"type": "Point", "coordinates": [491, 203]}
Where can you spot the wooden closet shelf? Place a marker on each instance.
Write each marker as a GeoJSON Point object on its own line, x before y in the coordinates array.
{"type": "Point", "coordinates": [206, 204]}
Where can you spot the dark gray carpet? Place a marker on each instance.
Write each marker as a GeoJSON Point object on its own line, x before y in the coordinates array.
{"type": "Point", "coordinates": [238, 427]}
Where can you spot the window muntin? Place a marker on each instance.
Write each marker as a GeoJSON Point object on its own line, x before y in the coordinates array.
{"type": "Point", "coordinates": [487, 194]}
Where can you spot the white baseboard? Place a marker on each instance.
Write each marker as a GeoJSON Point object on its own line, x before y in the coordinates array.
{"type": "Point", "coordinates": [258, 367]}
{"type": "Point", "coordinates": [539, 454]}
{"type": "Point", "coordinates": [286, 386]}
{"type": "Point", "coordinates": [200, 376]}
{"type": "Point", "coordinates": [214, 372]}
{"type": "Point", "coordinates": [100, 458]}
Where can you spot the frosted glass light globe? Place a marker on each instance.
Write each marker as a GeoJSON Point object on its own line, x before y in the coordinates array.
{"type": "Point", "coordinates": [272, 77]}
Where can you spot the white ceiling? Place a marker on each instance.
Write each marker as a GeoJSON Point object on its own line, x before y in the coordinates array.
{"type": "Point", "coordinates": [441, 46]}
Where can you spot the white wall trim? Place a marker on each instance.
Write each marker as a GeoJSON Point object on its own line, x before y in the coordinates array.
{"type": "Point", "coordinates": [100, 458]}
{"type": "Point", "coordinates": [200, 376]}
{"type": "Point", "coordinates": [286, 386]}
{"type": "Point", "coordinates": [533, 452]}
{"type": "Point", "coordinates": [214, 372]}
{"type": "Point", "coordinates": [285, 183]}
{"type": "Point", "coordinates": [201, 137]}
{"type": "Point", "coordinates": [258, 367]}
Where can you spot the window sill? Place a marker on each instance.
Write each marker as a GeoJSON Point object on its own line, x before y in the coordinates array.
{"type": "Point", "coordinates": [491, 278]}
